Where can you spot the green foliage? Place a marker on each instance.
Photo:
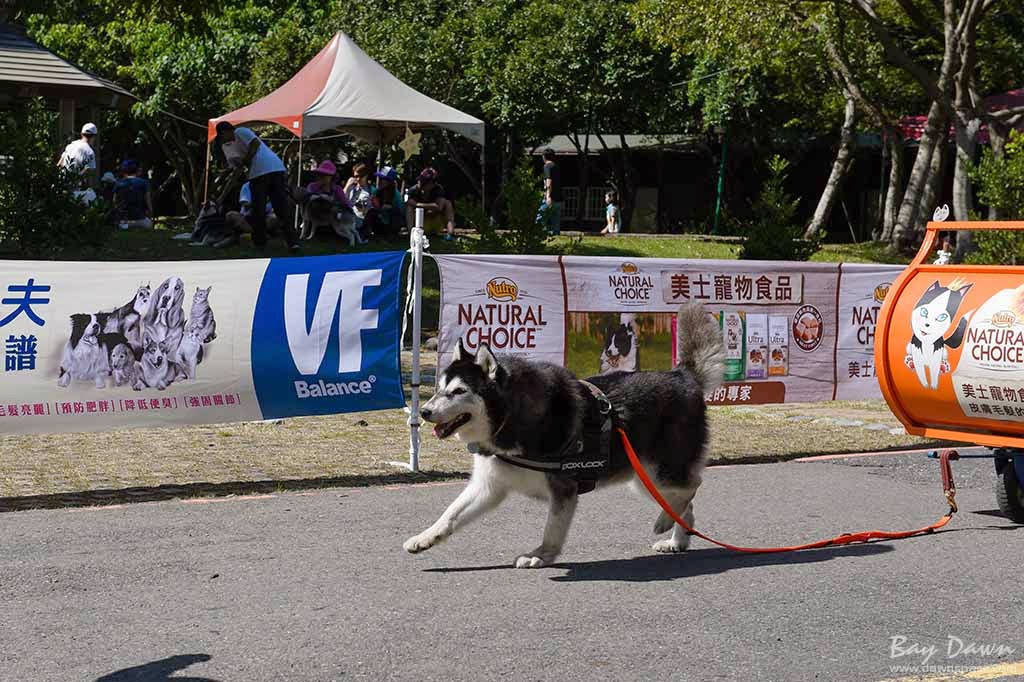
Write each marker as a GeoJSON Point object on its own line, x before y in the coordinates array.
{"type": "Point", "coordinates": [523, 231]}
{"type": "Point", "coordinates": [775, 235]}
{"type": "Point", "coordinates": [41, 218]}
{"type": "Point", "coordinates": [1000, 183]}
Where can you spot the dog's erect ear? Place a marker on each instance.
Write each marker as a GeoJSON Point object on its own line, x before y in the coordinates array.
{"type": "Point", "coordinates": [209, 289]}
{"type": "Point", "coordinates": [460, 353]}
{"type": "Point", "coordinates": [486, 361]}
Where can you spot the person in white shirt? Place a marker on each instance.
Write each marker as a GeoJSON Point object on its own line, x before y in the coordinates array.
{"type": "Point", "coordinates": [79, 160]}
{"type": "Point", "coordinates": [242, 147]}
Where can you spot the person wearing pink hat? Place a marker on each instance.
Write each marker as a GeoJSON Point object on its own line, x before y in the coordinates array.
{"type": "Point", "coordinates": [324, 183]}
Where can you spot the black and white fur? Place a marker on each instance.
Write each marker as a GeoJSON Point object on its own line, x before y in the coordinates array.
{"type": "Point", "coordinates": [931, 318]}
{"type": "Point", "coordinates": [621, 352]}
{"type": "Point", "coordinates": [128, 318]}
{"type": "Point", "coordinates": [321, 210]}
{"type": "Point", "coordinates": [85, 355]}
{"type": "Point", "coordinates": [530, 409]}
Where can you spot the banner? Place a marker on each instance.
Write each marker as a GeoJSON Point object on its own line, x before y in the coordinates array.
{"type": "Point", "coordinates": [515, 304]}
{"type": "Point", "coordinates": [793, 332]}
{"type": "Point", "coordinates": [95, 346]}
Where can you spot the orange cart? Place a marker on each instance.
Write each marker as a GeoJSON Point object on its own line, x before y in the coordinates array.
{"type": "Point", "coordinates": [950, 355]}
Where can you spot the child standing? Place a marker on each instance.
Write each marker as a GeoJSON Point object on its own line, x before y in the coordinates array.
{"type": "Point", "coordinates": [613, 216]}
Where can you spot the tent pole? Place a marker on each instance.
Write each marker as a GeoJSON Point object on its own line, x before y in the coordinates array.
{"type": "Point", "coordinates": [206, 173]}
{"type": "Point", "coordinates": [298, 183]}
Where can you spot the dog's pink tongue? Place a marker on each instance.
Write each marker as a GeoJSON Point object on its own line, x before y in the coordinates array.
{"type": "Point", "coordinates": [437, 430]}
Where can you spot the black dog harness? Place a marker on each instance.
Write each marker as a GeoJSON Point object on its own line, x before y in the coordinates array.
{"type": "Point", "coordinates": [586, 454]}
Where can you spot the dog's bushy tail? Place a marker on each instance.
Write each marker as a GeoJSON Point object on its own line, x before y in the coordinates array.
{"type": "Point", "coordinates": [699, 340]}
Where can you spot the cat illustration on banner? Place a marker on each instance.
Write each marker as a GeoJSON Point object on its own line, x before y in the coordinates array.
{"type": "Point", "coordinates": [931, 319]}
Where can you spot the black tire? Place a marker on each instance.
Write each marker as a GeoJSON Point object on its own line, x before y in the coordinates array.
{"type": "Point", "coordinates": [1009, 494]}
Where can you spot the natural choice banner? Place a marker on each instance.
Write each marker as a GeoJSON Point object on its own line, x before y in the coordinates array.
{"type": "Point", "coordinates": [95, 346]}
{"type": "Point", "coordinates": [793, 332]}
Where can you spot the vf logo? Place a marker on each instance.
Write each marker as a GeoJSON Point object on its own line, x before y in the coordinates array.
{"type": "Point", "coordinates": [308, 343]}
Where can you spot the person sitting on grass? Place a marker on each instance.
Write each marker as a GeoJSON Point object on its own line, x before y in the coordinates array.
{"type": "Point", "coordinates": [133, 199]}
{"type": "Point", "coordinates": [613, 216]}
{"type": "Point", "coordinates": [359, 190]}
{"type": "Point", "coordinates": [387, 213]}
{"type": "Point", "coordinates": [428, 194]}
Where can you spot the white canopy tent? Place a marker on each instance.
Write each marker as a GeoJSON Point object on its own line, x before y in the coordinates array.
{"type": "Point", "coordinates": [342, 88]}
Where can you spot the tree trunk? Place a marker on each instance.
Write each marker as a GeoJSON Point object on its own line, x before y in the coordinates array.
{"type": "Point", "coordinates": [997, 134]}
{"type": "Point", "coordinates": [934, 135]}
{"type": "Point", "coordinates": [894, 192]}
{"type": "Point", "coordinates": [930, 193]}
{"type": "Point", "coordinates": [839, 169]}
{"type": "Point", "coordinates": [966, 144]}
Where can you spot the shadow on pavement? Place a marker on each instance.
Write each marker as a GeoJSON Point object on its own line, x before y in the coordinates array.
{"type": "Point", "coordinates": [688, 564]}
{"type": "Point", "coordinates": [703, 562]}
{"type": "Point", "coordinates": [157, 671]}
{"type": "Point", "coordinates": [91, 498]}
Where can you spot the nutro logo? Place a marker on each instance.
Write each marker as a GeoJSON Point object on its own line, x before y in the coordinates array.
{"type": "Point", "coordinates": [502, 289]}
{"type": "Point", "coordinates": [308, 345]}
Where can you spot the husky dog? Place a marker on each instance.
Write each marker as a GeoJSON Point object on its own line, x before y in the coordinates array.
{"type": "Point", "coordinates": [620, 353]}
{"type": "Point", "coordinates": [932, 318]}
{"type": "Point", "coordinates": [85, 356]}
{"type": "Point", "coordinates": [128, 318]}
{"type": "Point", "coordinates": [201, 315]}
{"type": "Point", "coordinates": [319, 210]}
{"type": "Point", "coordinates": [122, 365]}
{"type": "Point", "coordinates": [155, 369]}
{"type": "Point", "coordinates": [509, 407]}
{"type": "Point", "coordinates": [190, 352]}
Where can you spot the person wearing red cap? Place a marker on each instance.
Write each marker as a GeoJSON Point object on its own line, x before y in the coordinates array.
{"type": "Point", "coordinates": [428, 194]}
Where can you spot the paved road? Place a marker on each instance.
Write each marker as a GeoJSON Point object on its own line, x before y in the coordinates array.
{"type": "Point", "coordinates": [315, 586]}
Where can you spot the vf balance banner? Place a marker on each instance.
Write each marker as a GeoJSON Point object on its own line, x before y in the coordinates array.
{"type": "Point", "coordinates": [95, 346]}
{"type": "Point", "coordinates": [793, 332]}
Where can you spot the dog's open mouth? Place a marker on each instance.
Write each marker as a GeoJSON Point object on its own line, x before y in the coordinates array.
{"type": "Point", "coordinates": [447, 428]}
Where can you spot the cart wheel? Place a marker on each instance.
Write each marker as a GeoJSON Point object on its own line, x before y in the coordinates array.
{"type": "Point", "coordinates": [1009, 494]}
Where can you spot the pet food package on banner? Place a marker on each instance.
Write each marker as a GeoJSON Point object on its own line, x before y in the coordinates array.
{"type": "Point", "coordinates": [733, 340]}
{"type": "Point", "coordinates": [778, 346]}
{"type": "Point", "coordinates": [757, 345]}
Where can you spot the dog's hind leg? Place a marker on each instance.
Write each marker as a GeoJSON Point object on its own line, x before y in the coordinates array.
{"type": "Point", "coordinates": [562, 508]}
{"type": "Point", "coordinates": [478, 497]}
{"type": "Point", "coordinates": [678, 499]}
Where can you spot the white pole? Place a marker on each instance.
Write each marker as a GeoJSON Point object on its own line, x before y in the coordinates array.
{"type": "Point", "coordinates": [416, 242]}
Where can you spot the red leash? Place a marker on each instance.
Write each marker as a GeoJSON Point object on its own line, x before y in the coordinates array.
{"type": "Point", "coordinates": [949, 488]}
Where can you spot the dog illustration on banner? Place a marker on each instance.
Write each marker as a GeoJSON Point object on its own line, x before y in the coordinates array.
{"type": "Point", "coordinates": [932, 318]}
{"type": "Point", "coordinates": [146, 343]}
{"type": "Point", "coordinates": [621, 353]}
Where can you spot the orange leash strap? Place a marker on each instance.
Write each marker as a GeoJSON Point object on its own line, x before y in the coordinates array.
{"type": "Point", "coordinates": [949, 488]}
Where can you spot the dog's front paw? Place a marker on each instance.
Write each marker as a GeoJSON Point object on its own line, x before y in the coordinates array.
{"type": "Point", "coordinates": [671, 546]}
{"type": "Point", "coordinates": [538, 558]}
{"type": "Point", "coordinates": [420, 543]}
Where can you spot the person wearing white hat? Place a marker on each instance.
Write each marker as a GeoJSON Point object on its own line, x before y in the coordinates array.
{"type": "Point", "coordinates": [79, 159]}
